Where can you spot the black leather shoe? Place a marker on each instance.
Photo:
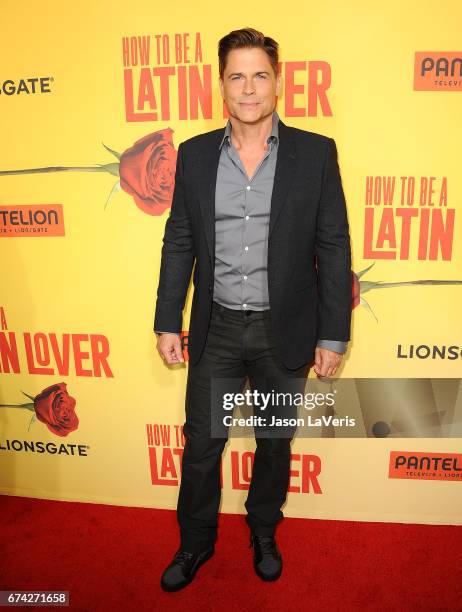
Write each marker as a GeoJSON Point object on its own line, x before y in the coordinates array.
{"type": "Point", "coordinates": [267, 560]}
{"type": "Point", "coordinates": [183, 568]}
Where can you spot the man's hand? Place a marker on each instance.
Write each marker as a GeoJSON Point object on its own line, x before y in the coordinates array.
{"type": "Point", "coordinates": [169, 347]}
{"type": "Point", "coordinates": [326, 362]}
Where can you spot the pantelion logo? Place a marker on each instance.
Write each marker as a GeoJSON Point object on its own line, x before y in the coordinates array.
{"type": "Point", "coordinates": [425, 466]}
{"type": "Point", "coordinates": [31, 220]}
{"type": "Point", "coordinates": [438, 71]}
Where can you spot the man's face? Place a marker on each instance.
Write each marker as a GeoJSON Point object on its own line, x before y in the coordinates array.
{"type": "Point", "coordinates": [249, 85]}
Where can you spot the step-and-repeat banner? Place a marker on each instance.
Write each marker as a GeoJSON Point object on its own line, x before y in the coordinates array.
{"type": "Point", "coordinates": [95, 98]}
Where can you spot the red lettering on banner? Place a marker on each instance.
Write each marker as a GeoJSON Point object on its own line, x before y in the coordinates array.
{"type": "Point", "coordinates": [435, 230]}
{"type": "Point", "coordinates": [51, 354]}
{"type": "Point", "coordinates": [193, 85]}
{"type": "Point", "coordinates": [242, 464]}
{"type": "Point", "coordinates": [136, 50]}
{"type": "Point", "coordinates": [179, 436]}
{"type": "Point", "coordinates": [292, 89]}
{"type": "Point", "coordinates": [311, 468]}
{"type": "Point", "coordinates": [386, 230]}
{"type": "Point", "coordinates": [380, 190]}
{"type": "Point", "coordinates": [162, 48]}
{"type": "Point", "coordinates": [158, 435]}
{"type": "Point", "coordinates": [389, 232]}
{"type": "Point", "coordinates": [170, 462]}
{"type": "Point", "coordinates": [46, 355]}
{"type": "Point", "coordinates": [175, 66]}
{"type": "Point", "coordinates": [182, 48]}
{"type": "Point", "coordinates": [198, 49]}
{"type": "Point", "coordinates": [443, 201]}
{"type": "Point", "coordinates": [184, 338]}
{"type": "Point", "coordinates": [168, 465]}
{"type": "Point", "coordinates": [317, 82]}
{"type": "Point", "coordinates": [9, 357]}
{"type": "Point", "coordinates": [166, 462]}
{"type": "Point", "coordinates": [3, 324]}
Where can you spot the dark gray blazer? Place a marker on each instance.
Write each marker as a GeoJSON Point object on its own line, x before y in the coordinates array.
{"type": "Point", "coordinates": [309, 257]}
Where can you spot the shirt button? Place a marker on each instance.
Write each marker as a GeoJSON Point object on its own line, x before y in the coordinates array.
{"type": "Point", "coordinates": [246, 248]}
{"type": "Point", "coordinates": [248, 187]}
{"type": "Point", "coordinates": [244, 305]}
{"type": "Point", "coordinates": [245, 277]}
{"type": "Point", "coordinates": [247, 217]}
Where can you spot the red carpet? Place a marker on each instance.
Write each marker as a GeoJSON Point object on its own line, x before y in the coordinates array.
{"type": "Point", "coordinates": [111, 558]}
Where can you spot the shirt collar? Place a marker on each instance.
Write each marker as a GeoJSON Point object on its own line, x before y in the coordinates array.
{"type": "Point", "coordinates": [273, 136]}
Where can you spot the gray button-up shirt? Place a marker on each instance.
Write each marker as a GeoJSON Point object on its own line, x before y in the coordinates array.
{"type": "Point", "coordinates": [242, 212]}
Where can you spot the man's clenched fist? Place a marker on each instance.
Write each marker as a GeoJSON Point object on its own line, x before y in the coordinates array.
{"type": "Point", "coordinates": [326, 361]}
{"type": "Point", "coordinates": [169, 347]}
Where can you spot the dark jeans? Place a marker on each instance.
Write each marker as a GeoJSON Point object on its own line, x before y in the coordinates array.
{"type": "Point", "coordinates": [239, 344]}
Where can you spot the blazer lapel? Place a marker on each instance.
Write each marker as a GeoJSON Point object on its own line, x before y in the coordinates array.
{"type": "Point", "coordinates": [211, 158]}
{"type": "Point", "coordinates": [284, 172]}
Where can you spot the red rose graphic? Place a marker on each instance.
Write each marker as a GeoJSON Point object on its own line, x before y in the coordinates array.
{"type": "Point", "coordinates": [56, 408]}
{"type": "Point", "coordinates": [147, 171]}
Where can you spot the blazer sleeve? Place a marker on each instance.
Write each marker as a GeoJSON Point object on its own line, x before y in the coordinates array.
{"type": "Point", "coordinates": [178, 255]}
{"type": "Point", "coordinates": [333, 254]}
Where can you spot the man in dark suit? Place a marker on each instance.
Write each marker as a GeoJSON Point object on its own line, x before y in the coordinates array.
{"type": "Point", "coordinates": [259, 208]}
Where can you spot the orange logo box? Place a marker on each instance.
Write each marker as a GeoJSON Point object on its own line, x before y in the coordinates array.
{"type": "Point", "coordinates": [425, 466]}
{"type": "Point", "coordinates": [26, 220]}
{"type": "Point", "coordinates": [438, 71]}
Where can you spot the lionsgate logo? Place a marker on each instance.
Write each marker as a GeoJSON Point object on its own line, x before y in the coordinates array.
{"type": "Point", "coordinates": [429, 351]}
{"type": "Point", "coordinates": [39, 447]}
{"type": "Point", "coordinates": [31, 85]}
{"type": "Point", "coordinates": [438, 71]}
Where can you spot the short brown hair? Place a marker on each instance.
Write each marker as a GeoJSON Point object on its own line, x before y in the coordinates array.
{"type": "Point", "coordinates": [247, 37]}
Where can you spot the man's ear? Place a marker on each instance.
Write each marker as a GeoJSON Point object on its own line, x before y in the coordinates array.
{"type": "Point", "coordinates": [278, 84]}
{"type": "Point", "coordinates": [220, 84]}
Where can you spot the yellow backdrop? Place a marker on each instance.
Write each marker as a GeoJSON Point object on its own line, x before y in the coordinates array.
{"type": "Point", "coordinates": [89, 412]}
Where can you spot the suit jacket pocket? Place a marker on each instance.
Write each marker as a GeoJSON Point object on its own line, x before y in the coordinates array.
{"type": "Point", "coordinates": [304, 281]}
